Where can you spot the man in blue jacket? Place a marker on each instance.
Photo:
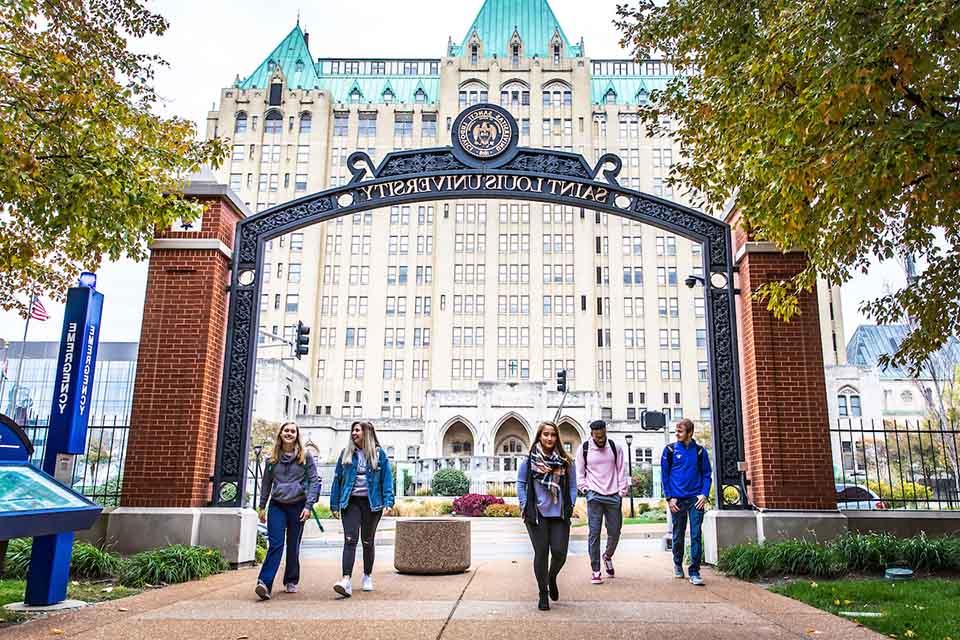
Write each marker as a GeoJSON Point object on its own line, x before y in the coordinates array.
{"type": "Point", "coordinates": [686, 472]}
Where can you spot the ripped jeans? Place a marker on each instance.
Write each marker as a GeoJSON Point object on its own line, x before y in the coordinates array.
{"type": "Point", "coordinates": [359, 522]}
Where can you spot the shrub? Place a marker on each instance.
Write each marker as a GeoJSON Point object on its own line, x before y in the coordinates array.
{"type": "Point", "coordinates": [170, 565]}
{"type": "Point", "coordinates": [503, 491]}
{"type": "Point", "coordinates": [799, 557]}
{"type": "Point", "coordinates": [502, 511]}
{"type": "Point", "coordinates": [260, 553]}
{"type": "Point", "coordinates": [424, 491]}
{"type": "Point", "coordinates": [18, 558]}
{"type": "Point", "coordinates": [93, 563]}
{"type": "Point", "coordinates": [871, 553]}
{"type": "Point", "coordinates": [450, 482]}
{"type": "Point", "coordinates": [746, 561]}
{"type": "Point", "coordinates": [642, 507]}
{"type": "Point", "coordinates": [420, 508]}
{"type": "Point", "coordinates": [474, 504]}
{"type": "Point", "coordinates": [641, 484]}
{"type": "Point", "coordinates": [901, 495]}
{"type": "Point", "coordinates": [322, 511]}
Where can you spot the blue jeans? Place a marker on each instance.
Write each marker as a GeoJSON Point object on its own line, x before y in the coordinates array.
{"type": "Point", "coordinates": [687, 508]}
{"type": "Point", "coordinates": [283, 522]}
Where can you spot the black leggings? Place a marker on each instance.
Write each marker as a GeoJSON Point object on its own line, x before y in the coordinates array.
{"type": "Point", "coordinates": [550, 539]}
{"type": "Point", "coordinates": [359, 521]}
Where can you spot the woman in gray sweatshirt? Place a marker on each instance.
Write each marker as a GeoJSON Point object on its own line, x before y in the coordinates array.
{"type": "Point", "coordinates": [291, 485]}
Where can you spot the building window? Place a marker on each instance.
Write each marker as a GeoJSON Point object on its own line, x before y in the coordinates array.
{"type": "Point", "coordinates": [848, 403]}
{"type": "Point", "coordinates": [306, 122]}
{"type": "Point", "coordinates": [240, 125]}
{"type": "Point", "coordinates": [273, 123]}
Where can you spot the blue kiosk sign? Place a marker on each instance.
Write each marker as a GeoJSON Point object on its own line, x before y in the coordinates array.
{"type": "Point", "coordinates": [39, 502]}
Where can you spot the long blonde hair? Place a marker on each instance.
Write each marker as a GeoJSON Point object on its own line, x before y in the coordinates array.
{"type": "Point", "coordinates": [559, 448]}
{"type": "Point", "coordinates": [300, 452]}
{"type": "Point", "coordinates": [370, 446]}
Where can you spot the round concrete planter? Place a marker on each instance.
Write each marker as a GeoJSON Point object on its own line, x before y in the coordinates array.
{"type": "Point", "coordinates": [426, 546]}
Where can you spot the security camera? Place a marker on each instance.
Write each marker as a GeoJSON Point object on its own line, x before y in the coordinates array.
{"type": "Point", "coordinates": [690, 281]}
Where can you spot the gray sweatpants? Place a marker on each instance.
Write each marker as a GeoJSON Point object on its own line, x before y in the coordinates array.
{"type": "Point", "coordinates": [597, 512]}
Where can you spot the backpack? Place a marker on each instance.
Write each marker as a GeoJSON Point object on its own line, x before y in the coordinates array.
{"type": "Point", "coordinates": [672, 447]}
{"type": "Point", "coordinates": [586, 448]}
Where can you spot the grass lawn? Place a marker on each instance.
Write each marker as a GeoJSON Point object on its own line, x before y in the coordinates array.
{"type": "Point", "coordinates": [911, 609]}
{"type": "Point", "coordinates": [650, 517]}
{"type": "Point", "coordinates": [12, 591]}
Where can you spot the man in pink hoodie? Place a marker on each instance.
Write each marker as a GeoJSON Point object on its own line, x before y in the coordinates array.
{"type": "Point", "coordinates": [602, 477]}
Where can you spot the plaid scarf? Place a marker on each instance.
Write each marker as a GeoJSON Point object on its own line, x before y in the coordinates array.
{"type": "Point", "coordinates": [548, 470]}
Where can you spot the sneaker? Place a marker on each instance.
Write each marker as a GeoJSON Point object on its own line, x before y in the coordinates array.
{"type": "Point", "coordinates": [291, 588]}
{"type": "Point", "coordinates": [678, 573]}
{"type": "Point", "coordinates": [344, 587]}
{"type": "Point", "coordinates": [697, 581]}
{"type": "Point", "coordinates": [596, 578]}
{"type": "Point", "coordinates": [608, 565]}
{"type": "Point", "coordinates": [262, 591]}
{"type": "Point", "coordinates": [367, 583]}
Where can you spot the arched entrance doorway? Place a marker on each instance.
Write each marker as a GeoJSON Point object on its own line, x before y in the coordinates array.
{"type": "Point", "coordinates": [458, 440]}
{"type": "Point", "coordinates": [489, 167]}
{"type": "Point", "coordinates": [570, 435]}
{"type": "Point", "coordinates": [511, 442]}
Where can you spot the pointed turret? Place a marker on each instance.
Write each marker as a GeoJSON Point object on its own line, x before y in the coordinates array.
{"type": "Point", "coordinates": [292, 59]}
{"type": "Point", "coordinates": [498, 21]}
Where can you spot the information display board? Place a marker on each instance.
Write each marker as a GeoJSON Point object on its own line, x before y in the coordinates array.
{"type": "Point", "coordinates": [32, 503]}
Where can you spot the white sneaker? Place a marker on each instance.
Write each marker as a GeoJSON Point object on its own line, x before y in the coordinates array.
{"type": "Point", "coordinates": [367, 583]}
{"type": "Point", "coordinates": [344, 587]}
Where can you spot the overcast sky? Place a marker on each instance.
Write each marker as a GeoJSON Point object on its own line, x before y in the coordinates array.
{"type": "Point", "coordinates": [209, 43]}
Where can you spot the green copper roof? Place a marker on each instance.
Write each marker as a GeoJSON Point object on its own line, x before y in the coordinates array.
{"type": "Point", "coordinates": [629, 89]}
{"type": "Point", "coordinates": [372, 88]}
{"type": "Point", "coordinates": [293, 57]}
{"type": "Point", "coordinates": [534, 20]}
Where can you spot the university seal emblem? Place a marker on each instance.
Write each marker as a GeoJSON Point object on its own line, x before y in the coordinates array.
{"type": "Point", "coordinates": [485, 132]}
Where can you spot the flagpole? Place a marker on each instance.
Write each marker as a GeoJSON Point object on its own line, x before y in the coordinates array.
{"type": "Point", "coordinates": [23, 346]}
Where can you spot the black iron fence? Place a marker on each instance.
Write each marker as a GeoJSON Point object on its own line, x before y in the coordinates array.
{"type": "Point", "coordinates": [885, 464]}
{"type": "Point", "coordinates": [98, 473]}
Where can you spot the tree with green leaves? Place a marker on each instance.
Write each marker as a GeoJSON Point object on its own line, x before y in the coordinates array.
{"type": "Point", "coordinates": [87, 169]}
{"type": "Point", "coordinates": [833, 127]}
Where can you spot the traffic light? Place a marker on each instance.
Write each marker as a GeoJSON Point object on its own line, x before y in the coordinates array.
{"type": "Point", "coordinates": [562, 380]}
{"type": "Point", "coordinates": [301, 345]}
{"type": "Point", "coordinates": [653, 421]}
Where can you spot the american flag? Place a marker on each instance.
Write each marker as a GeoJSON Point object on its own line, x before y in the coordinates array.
{"type": "Point", "coordinates": [37, 310]}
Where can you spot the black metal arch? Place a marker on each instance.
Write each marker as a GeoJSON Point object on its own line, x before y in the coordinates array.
{"type": "Point", "coordinates": [429, 175]}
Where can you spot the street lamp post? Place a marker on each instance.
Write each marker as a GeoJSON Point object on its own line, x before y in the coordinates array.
{"type": "Point", "coordinates": [257, 452]}
{"type": "Point", "coordinates": [629, 439]}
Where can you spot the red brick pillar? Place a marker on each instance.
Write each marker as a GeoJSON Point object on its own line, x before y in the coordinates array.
{"type": "Point", "coordinates": [786, 426]}
{"type": "Point", "coordinates": [176, 399]}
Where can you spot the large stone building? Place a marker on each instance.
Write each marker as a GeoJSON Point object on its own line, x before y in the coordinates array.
{"type": "Point", "coordinates": [447, 322]}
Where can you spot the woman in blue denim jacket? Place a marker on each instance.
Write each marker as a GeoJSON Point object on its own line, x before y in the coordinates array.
{"type": "Point", "coordinates": [362, 489]}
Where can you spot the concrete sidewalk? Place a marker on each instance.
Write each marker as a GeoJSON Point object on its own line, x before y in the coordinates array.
{"type": "Point", "coordinates": [495, 599]}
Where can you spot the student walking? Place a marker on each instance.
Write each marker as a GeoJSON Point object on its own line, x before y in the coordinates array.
{"type": "Point", "coordinates": [290, 484]}
{"type": "Point", "coordinates": [603, 479]}
{"type": "Point", "coordinates": [362, 488]}
{"type": "Point", "coordinates": [547, 491]}
{"type": "Point", "coordinates": [686, 472]}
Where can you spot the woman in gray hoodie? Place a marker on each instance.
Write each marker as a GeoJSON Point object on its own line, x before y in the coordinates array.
{"type": "Point", "coordinates": [291, 485]}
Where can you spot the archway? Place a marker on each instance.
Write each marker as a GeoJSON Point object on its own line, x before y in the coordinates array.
{"type": "Point", "coordinates": [570, 435]}
{"type": "Point", "coordinates": [458, 439]}
{"type": "Point", "coordinates": [483, 163]}
{"type": "Point", "coordinates": [511, 438]}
